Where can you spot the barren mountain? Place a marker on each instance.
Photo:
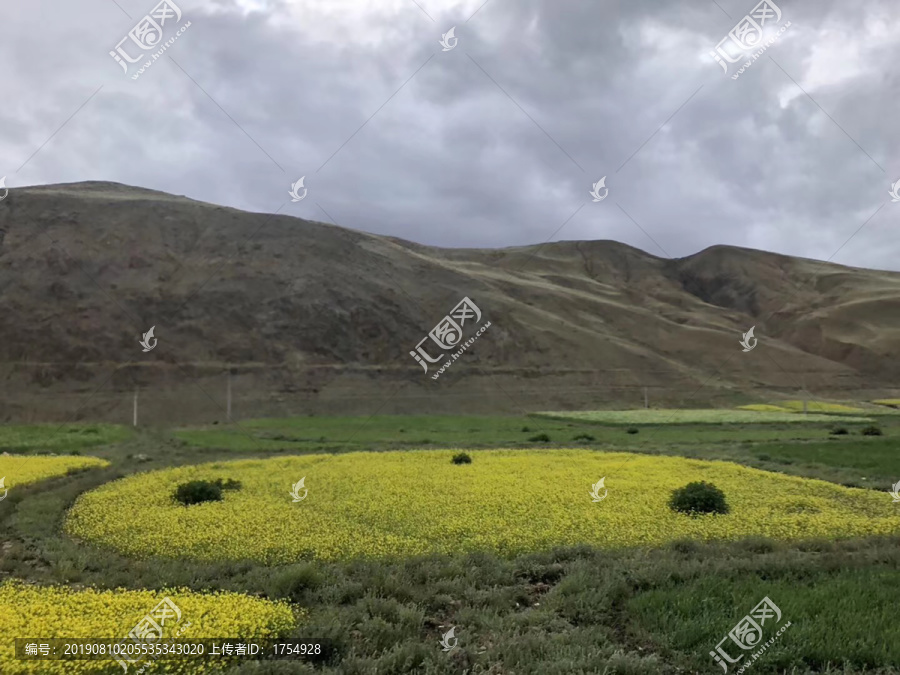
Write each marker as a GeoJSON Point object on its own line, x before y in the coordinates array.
{"type": "Point", "coordinates": [311, 317]}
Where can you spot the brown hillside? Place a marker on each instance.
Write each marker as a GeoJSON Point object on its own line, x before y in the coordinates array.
{"type": "Point", "coordinates": [316, 318]}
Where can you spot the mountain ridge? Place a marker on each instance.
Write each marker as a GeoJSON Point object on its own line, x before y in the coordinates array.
{"type": "Point", "coordinates": [86, 268]}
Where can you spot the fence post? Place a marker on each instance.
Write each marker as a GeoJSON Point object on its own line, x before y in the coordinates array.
{"type": "Point", "coordinates": [228, 395]}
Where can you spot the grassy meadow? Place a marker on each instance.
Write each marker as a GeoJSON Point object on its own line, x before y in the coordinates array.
{"type": "Point", "coordinates": [395, 544]}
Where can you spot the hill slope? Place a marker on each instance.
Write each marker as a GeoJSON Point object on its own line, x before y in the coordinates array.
{"type": "Point", "coordinates": [314, 317]}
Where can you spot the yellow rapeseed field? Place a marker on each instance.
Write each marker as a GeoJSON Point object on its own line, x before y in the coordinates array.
{"type": "Point", "coordinates": [51, 611]}
{"type": "Point", "coordinates": [509, 501]}
{"type": "Point", "coordinates": [821, 407]}
{"type": "Point", "coordinates": [24, 469]}
{"type": "Point", "coordinates": [693, 416]}
{"type": "Point", "coordinates": [764, 407]}
{"type": "Point", "coordinates": [888, 401]}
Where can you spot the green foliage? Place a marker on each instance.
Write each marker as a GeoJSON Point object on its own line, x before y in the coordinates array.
{"type": "Point", "coordinates": [461, 458]}
{"type": "Point", "coordinates": [53, 438]}
{"type": "Point", "coordinates": [871, 431]}
{"type": "Point", "coordinates": [300, 434]}
{"type": "Point", "coordinates": [199, 491]}
{"type": "Point", "coordinates": [584, 437]}
{"type": "Point", "coordinates": [293, 582]}
{"type": "Point", "coordinates": [387, 616]}
{"type": "Point", "coordinates": [698, 498]}
{"type": "Point", "coordinates": [632, 430]}
{"type": "Point", "coordinates": [839, 431]}
{"type": "Point", "coordinates": [540, 438]}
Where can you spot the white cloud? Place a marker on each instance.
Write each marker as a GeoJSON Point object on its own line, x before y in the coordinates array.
{"type": "Point", "coordinates": [448, 158]}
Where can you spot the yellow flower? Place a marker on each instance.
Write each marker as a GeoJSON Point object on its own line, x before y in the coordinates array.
{"type": "Point", "coordinates": [50, 611]}
{"type": "Point", "coordinates": [755, 414]}
{"type": "Point", "coordinates": [416, 502]}
{"type": "Point", "coordinates": [24, 469]}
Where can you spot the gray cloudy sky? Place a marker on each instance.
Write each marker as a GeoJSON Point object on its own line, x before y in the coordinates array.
{"type": "Point", "coordinates": [493, 143]}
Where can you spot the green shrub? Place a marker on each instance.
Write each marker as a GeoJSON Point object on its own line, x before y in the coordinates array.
{"type": "Point", "coordinates": [199, 491]}
{"type": "Point", "coordinates": [871, 431]}
{"type": "Point", "coordinates": [461, 458]}
{"type": "Point", "coordinates": [632, 430]}
{"type": "Point", "coordinates": [540, 438]}
{"type": "Point", "coordinates": [584, 437]}
{"type": "Point", "coordinates": [294, 581]}
{"type": "Point", "coordinates": [526, 429]}
{"type": "Point", "coordinates": [697, 498]}
{"type": "Point", "coordinates": [838, 431]}
{"type": "Point", "coordinates": [229, 484]}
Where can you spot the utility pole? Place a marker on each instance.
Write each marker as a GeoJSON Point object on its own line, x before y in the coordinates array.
{"type": "Point", "coordinates": [646, 402]}
{"type": "Point", "coordinates": [134, 423]}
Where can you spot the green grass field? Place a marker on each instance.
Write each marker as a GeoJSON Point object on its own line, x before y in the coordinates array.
{"type": "Point", "coordinates": [309, 434]}
{"type": "Point", "coordinates": [61, 439]}
{"type": "Point", "coordinates": [577, 610]}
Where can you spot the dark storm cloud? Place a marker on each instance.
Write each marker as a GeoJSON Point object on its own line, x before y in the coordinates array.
{"type": "Point", "coordinates": [494, 143]}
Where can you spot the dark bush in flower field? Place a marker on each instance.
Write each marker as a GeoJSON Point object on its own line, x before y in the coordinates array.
{"type": "Point", "coordinates": [199, 491]}
{"type": "Point", "coordinates": [697, 498]}
{"type": "Point", "coordinates": [461, 458]}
